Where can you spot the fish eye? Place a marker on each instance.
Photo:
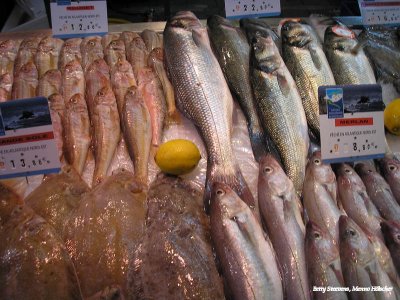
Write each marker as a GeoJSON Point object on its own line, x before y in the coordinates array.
{"type": "Point", "coordinates": [348, 171]}
{"type": "Point", "coordinates": [220, 192]}
{"type": "Point", "coordinates": [398, 237]}
{"type": "Point", "coordinates": [392, 167]}
{"type": "Point", "coordinates": [317, 161]}
{"type": "Point", "coordinates": [317, 235]}
{"type": "Point", "coordinates": [369, 171]}
{"type": "Point", "coordinates": [91, 43]}
{"type": "Point", "coordinates": [267, 170]}
{"type": "Point", "coordinates": [350, 232]}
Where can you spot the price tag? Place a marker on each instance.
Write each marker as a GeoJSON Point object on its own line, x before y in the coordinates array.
{"type": "Point", "coordinates": [351, 122]}
{"type": "Point", "coordinates": [27, 145]}
{"type": "Point", "coordinates": [78, 18]}
{"type": "Point", "coordinates": [378, 12]}
{"type": "Point", "coordinates": [253, 8]}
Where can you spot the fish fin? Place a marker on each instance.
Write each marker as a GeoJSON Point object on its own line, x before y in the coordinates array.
{"type": "Point", "coordinates": [315, 58]}
{"type": "Point", "coordinates": [372, 268]}
{"type": "Point", "coordinates": [283, 85]}
{"type": "Point", "coordinates": [336, 268]}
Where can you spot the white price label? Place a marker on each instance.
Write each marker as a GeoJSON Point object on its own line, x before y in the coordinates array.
{"type": "Point", "coordinates": [351, 123]}
{"type": "Point", "coordinates": [78, 18]}
{"type": "Point", "coordinates": [27, 145]}
{"type": "Point", "coordinates": [378, 12]}
{"type": "Point", "coordinates": [253, 8]}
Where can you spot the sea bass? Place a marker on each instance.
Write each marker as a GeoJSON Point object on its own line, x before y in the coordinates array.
{"type": "Point", "coordinates": [73, 80]}
{"type": "Point", "coordinates": [175, 259]}
{"type": "Point", "coordinates": [280, 108]}
{"type": "Point", "coordinates": [71, 50]}
{"type": "Point", "coordinates": [233, 53]}
{"type": "Point", "coordinates": [136, 126]}
{"type": "Point", "coordinates": [204, 97]}
{"type": "Point", "coordinates": [306, 61]}
{"type": "Point", "coordinates": [348, 62]}
{"type": "Point", "coordinates": [47, 54]}
{"type": "Point", "coordinates": [49, 83]}
{"type": "Point", "coordinates": [25, 82]}
{"type": "Point", "coordinates": [390, 170]}
{"type": "Point", "coordinates": [319, 196]}
{"type": "Point", "coordinates": [323, 263]}
{"type": "Point", "coordinates": [77, 132]}
{"type": "Point", "coordinates": [122, 78]}
{"type": "Point", "coordinates": [256, 27]}
{"type": "Point", "coordinates": [379, 192]}
{"type": "Point", "coordinates": [280, 210]}
{"type": "Point", "coordinates": [391, 232]}
{"type": "Point", "coordinates": [247, 258]}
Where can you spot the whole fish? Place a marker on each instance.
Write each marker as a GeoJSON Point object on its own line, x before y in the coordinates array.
{"type": "Point", "coordinates": [136, 126]}
{"type": "Point", "coordinates": [91, 49]}
{"type": "Point", "coordinates": [280, 108]}
{"type": "Point", "coordinates": [50, 83]}
{"type": "Point", "coordinates": [47, 55]}
{"type": "Point", "coordinates": [76, 132]}
{"type": "Point", "coordinates": [137, 54]}
{"type": "Point", "coordinates": [323, 262]}
{"type": "Point", "coordinates": [390, 170]}
{"type": "Point", "coordinates": [73, 80]}
{"type": "Point", "coordinates": [25, 82]}
{"type": "Point", "coordinates": [8, 54]}
{"type": "Point", "coordinates": [106, 131]}
{"type": "Point", "coordinates": [151, 90]}
{"type": "Point", "coordinates": [356, 202]}
{"type": "Point", "coordinates": [152, 39]}
{"type": "Point", "coordinates": [128, 36]}
{"type": "Point", "coordinates": [279, 207]}
{"type": "Point", "coordinates": [114, 52]}
{"type": "Point", "coordinates": [359, 263]}
{"type": "Point", "coordinates": [391, 232]}
{"type": "Point", "coordinates": [175, 259]}
{"type": "Point", "coordinates": [233, 53]}
{"type": "Point", "coordinates": [306, 61]}
{"type": "Point", "coordinates": [247, 259]}
{"type": "Point", "coordinates": [26, 52]}
{"type": "Point", "coordinates": [104, 232]}
{"type": "Point", "coordinates": [319, 196]}
{"type": "Point", "coordinates": [71, 50]}
{"type": "Point", "coordinates": [208, 103]}
{"type": "Point", "coordinates": [348, 62]}
{"type": "Point", "coordinates": [156, 62]}
{"type": "Point", "coordinates": [122, 79]}
{"type": "Point", "coordinates": [255, 28]}
{"type": "Point", "coordinates": [57, 197]}
{"type": "Point", "coordinates": [379, 192]}
{"type": "Point", "coordinates": [6, 81]}
{"type": "Point", "coordinates": [108, 38]}
{"type": "Point", "coordinates": [57, 112]}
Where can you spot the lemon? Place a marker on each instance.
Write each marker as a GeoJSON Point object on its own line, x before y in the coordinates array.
{"type": "Point", "coordinates": [391, 116]}
{"type": "Point", "coordinates": [177, 157]}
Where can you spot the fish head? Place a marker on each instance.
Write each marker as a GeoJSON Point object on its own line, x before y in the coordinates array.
{"type": "Point", "coordinates": [255, 28]}
{"type": "Point", "coordinates": [9, 200]}
{"type": "Point", "coordinates": [225, 202]}
{"type": "Point", "coordinates": [77, 103]}
{"type": "Point", "coordinates": [30, 44]}
{"type": "Point", "coordinates": [390, 168]}
{"type": "Point", "coordinates": [184, 20]}
{"type": "Point", "coordinates": [99, 65]}
{"type": "Point", "coordinates": [132, 94]}
{"type": "Point", "coordinates": [346, 176]}
{"type": "Point", "coordinates": [139, 43]}
{"type": "Point", "coordinates": [105, 96]}
{"type": "Point", "coordinates": [391, 232]}
{"type": "Point", "coordinates": [73, 66]}
{"type": "Point", "coordinates": [272, 177]}
{"type": "Point", "coordinates": [52, 76]}
{"type": "Point", "coordinates": [266, 55]}
{"type": "Point", "coordinates": [56, 102]}
{"type": "Point", "coordinates": [216, 21]}
{"type": "Point", "coordinates": [339, 38]}
{"type": "Point", "coordinates": [116, 45]}
{"type": "Point", "coordinates": [320, 171]}
{"type": "Point", "coordinates": [6, 79]}
{"type": "Point", "coordinates": [156, 55]}
{"type": "Point", "coordinates": [365, 171]}
{"type": "Point", "coordinates": [297, 34]}
{"type": "Point", "coordinates": [7, 45]}
{"type": "Point", "coordinates": [122, 66]}
{"type": "Point", "coordinates": [29, 70]}
{"type": "Point", "coordinates": [46, 45]}
{"type": "Point", "coordinates": [319, 243]}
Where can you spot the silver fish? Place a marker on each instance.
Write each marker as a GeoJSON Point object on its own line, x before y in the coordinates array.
{"type": "Point", "coordinates": [257, 27]}
{"type": "Point", "coordinates": [208, 103]}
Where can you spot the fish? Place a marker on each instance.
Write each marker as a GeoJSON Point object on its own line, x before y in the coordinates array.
{"type": "Point", "coordinates": [151, 39]}
{"type": "Point", "coordinates": [379, 192]}
{"type": "Point", "coordinates": [347, 60]}
{"type": "Point", "coordinates": [122, 78]}
{"type": "Point", "coordinates": [8, 54]}
{"type": "Point", "coordinates": [114, 52]}
{"type": "Point", "coordinates": [91, 49]}
{"type": "Point", "coordinates": [247, 259]}
{"type": "Point", "coordinates": [390, 170]}
{"type": "Point", "coordinates": [280, 210]}
{"type": "Point", "coordinates": [207, 103]}
{"type": "Point", "coordinates": [128, 36]}
{"type": "Point", "coordinates": [57, 113]}
{"type": "Point", "coordinates": [57, 197]}
{"type": "Point", "coordinates": [25, 82]}
{"type": "Point", "coordinates": [49, 83]}
{"type": "Point", "coordinates": [71, 50]}
{"type": "Point", "coordinates": [137, 54]}
{"type": "Point", "coordinates": [176, 246]}
{"type": "Point", "coordinates": [256, 27]}
{"type": "Point", "coordinates": [233, 53]}
{"type": "Point", "coordinates": [320, 196]}
{"type": "Point", "coordinates": [26, 53]}
{"type": "Point", "coordinates": [47, 55]}
{"type": "Point", "coordinates": [136, 127]}
{"type": "Point", "coordinates": [280, 108]}
{"type": "Point", "coordinates": [104, 232]}
{"type": "Point", "coordinates": [106, 131]}
{"type": "Point", "coordinates": [108, 38]}
{"type": "Point", "coordinates": [359, 264]}
{"type": "Point", "coordinates": [356, 202]}
{"type": "Point", "coordinates": [6, 81]}
{"type": "Point", "coordinates": [76, 132]}
{"type": "Point", "coordinates": [73, 80]}
{"type": "Point", "coordinates": [304, 57]}
{"type": "Point", "coordinates": [156, 62]}
{"type": "Point", "coordinates": [391, 232]}
{"type": "Point", "coordinates": [151, 90]}
{"type": "Point", "coordinates": [323, 262]}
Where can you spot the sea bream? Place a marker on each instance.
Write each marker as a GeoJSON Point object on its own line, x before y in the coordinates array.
{"type": "Point", "coordinates": [71, 50]}
{"type": "Point", "coordinates": [137, 54]}
{"type": "Point", "coordinates": [25, 82]}
{"type": "Point", "coordinates": [6, 81]}
{"type": "Point", "coordinates": [47, 54]}
{"type": "Point", "coordinates": [26, 52]}
{"type": "Point", "coordinates": [91, 49]}
{"type": "Point", "coordinates": [257, 27]}
{"type": "Point", "coordinates": [122, 78]}
{"type": "Point", "coordinates": [391, 232]}
{"type": "Point", "coordinates": [50, 83]}
{"type": "Point", "coordinates": [8, 54]}
{"type": "Point", "coordinates": [73, 80]}
{"type": "Point", "coordinates": [114, 52]}
{"type": "Point", "coordinates": [204, 97]}
{"type": "Point", "coordinates": [57, 112]}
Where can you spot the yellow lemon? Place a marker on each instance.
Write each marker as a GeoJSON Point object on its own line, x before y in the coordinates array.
{"type": "Point", "coordinates": [391, 116]}
{"type": "Point", "coordinates": [177, 157]}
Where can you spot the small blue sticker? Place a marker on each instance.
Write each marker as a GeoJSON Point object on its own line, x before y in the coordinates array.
{"type": "Point", "coordinates": [334, 103]}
